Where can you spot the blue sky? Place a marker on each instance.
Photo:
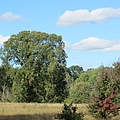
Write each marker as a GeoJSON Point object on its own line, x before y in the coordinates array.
{"type": "Point", "coordinates": [90, 28]}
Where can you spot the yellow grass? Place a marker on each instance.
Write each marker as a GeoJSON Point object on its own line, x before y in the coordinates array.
{"type": "Point", "coordinates": [37, 111]}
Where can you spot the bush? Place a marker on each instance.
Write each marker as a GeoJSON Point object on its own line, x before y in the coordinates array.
{"type": "Point", "coordinates": [105, 108]}
{"type": "Point", "coordinates": [105, 103]}
{"type": "Point", "coordinates": [82, 88]}
{"type": "Point", "coordinates": [79, 93]}
{"type": "Point", "coordinates": [69, 113]}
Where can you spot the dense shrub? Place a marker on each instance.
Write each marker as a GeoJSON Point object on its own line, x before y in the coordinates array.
{"type": "Point", "coordinates": [105, 103]}
{"type": "Point", "coordinates": [104, 108]}
{"type": "Point", "coordinates": [79, 93]}
{"type": "Point", "coordinates": [83, 87]}
{"type": "Point", "coordinates": [69, 113]}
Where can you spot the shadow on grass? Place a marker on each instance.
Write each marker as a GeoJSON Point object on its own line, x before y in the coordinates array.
{"type": "Point", "coordinates": [28, 117]}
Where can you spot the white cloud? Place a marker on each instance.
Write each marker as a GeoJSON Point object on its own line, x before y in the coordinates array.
{"type": "Point", "coordinates": [9, 16]}
{"type": "Point", "coordinates": [3, 39]}
{"type": "Point", "coordinates": [113, 48]}
{"type": "Point", "coordinates": [84, 16]}
{"type": "Point", "coordinates": [67, 45]}
{"type": "Point", "coordinates": [96, 44]}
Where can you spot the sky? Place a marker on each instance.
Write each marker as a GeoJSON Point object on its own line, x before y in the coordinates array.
{"type": "Point", "coordinates": [90, 28]}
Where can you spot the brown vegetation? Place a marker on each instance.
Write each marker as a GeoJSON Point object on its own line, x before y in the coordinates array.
{"type": "Point", "coordinates": [37, 111]}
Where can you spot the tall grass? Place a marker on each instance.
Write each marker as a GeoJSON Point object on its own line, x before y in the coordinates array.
{"type": "Point", "coordinates": [37, 111]}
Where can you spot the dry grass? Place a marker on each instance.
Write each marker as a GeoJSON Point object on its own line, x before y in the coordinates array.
{"type": "Point", "coordinates": [28, 111]}
{"type": "Point", "coordinates": [36, 111]}
{"type": "Point", "coordinates": [28, 108]}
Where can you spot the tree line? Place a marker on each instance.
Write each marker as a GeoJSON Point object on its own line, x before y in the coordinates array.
{"type": "Point", "coordinates": [34, 69]}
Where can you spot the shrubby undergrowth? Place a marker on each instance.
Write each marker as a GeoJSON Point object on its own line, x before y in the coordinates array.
{"type": "Point", "coordinates": [69, 112]}
{"type": "Point", "coordinates": [107, 100]}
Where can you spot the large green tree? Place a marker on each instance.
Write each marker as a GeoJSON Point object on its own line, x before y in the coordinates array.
{"type": "Point", "coordinates": [41, 60]}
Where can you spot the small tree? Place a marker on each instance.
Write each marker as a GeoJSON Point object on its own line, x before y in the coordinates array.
{"type": "Point", "coordinates": [105, 103]}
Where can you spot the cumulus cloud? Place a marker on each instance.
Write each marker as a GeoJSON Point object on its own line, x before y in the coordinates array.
{"type": "Point", "coordinates": [70, 18]}
{"type": "Point", "coordinates": [96, 44]}
{"type": "Point", "coordinates": [3, 39]}
{"type": "Point", "coordinates": [9, 16]}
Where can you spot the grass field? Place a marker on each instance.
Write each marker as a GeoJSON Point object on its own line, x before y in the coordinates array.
{"type": "Point", "coordinates": [37, 111]}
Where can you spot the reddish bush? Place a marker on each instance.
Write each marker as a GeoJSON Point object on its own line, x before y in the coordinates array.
{"type": "Point", "coordinates": [105, 103]}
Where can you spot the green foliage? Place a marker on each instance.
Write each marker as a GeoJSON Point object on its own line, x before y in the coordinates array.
{"type": "Point", "coordinates": [27, 47]}
{"type": "Point", "coordinates": [6, 81]}
{"type": "Point", "coordinates": [79, 93]}
{"type": "Point", "coordinates": [69, 112]}
{"type": "Point", "coordinates": [21, 86]}
{"type": "Point", "coordinates": [75, 71]}
{"type": "Point", "coordinates": [89, 76]}
{"type": "Point", "coordinates": [6, 94]}
{"type": "Point", "coordinates": [41, 60]}
{"type": "Point", "coordinates": [105, 103]}
{"type": "Point", "coordinates": [83, 87]}
{"type": "Point", "coordinates": [6, 76]}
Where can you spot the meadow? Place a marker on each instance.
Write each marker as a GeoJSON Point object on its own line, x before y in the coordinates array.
{"type": "Point", "coordinates": [37, 111]}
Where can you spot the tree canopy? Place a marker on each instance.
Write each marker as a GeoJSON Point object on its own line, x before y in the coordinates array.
{"type": "Point", "coordinates": [41, 60]}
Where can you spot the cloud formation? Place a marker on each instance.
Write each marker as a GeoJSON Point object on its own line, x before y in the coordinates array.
{"type": "Point", "coordinates": [3, 39]}
{"type": "Point", "coordinates": [70, 18]}
{"type": "Point", "coordinates": [9, 16]}
{"type": "Point", "coordinates": [90, 44]}
{"type": "Point", "coordinates": [96, 44]}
